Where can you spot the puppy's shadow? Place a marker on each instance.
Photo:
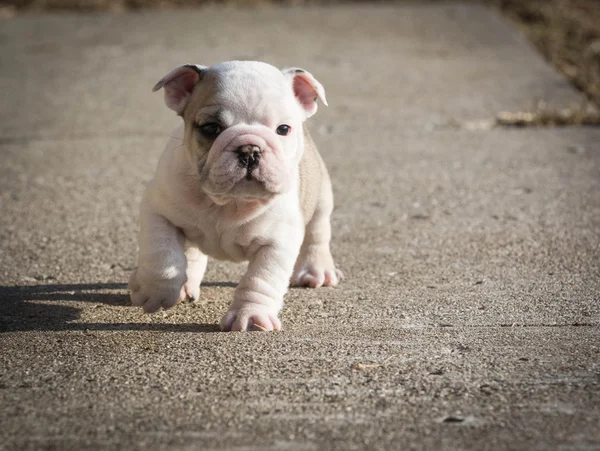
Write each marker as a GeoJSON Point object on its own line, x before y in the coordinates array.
{"type": "Point", "coordinates": [20, 312]}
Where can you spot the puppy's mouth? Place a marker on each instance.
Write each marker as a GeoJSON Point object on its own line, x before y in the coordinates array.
{"type": "Point", "coordinates": [247, 186]}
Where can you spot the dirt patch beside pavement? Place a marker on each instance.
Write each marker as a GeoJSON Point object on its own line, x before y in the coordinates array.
{"type": "Point", "coordinates": [566, 32]}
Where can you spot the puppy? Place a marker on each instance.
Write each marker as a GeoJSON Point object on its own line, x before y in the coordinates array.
{"type": "Point", "coordinates": [240, 180]}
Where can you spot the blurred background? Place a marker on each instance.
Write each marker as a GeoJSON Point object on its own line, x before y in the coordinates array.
{"type": "Point", "coordinates": [566, 32]}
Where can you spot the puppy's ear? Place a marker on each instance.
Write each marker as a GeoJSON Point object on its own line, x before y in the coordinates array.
{"type": "Point", "coordinates": [179, 84]}
{"type": "Point", "coordinates": [306, 89]}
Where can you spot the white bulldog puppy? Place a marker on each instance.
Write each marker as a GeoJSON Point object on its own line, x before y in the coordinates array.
{"type": "Point", "coordinates": [240, 180]}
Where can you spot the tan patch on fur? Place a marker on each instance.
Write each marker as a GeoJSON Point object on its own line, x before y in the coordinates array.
{"type": "Point", "coordinates": [312, 173]}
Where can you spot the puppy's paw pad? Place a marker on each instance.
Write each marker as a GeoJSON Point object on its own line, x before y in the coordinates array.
{"type": "Point", "coordinates": [250, 318]}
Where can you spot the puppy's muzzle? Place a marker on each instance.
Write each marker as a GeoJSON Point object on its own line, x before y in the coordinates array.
{"type": "Point", "coordinates": [248, 158]}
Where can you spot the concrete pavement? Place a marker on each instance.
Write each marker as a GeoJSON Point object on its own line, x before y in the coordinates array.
{"type": "Point", "coordinates": [469, 318]}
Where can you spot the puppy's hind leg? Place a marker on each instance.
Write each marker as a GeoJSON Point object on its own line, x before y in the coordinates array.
{"type": "Point", "coordinates": [315, 267]}
{"type": "Point", "coordinates": [196, 266]}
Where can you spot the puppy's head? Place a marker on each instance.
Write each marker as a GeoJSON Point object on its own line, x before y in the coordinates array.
{"type": "Point", "coordinates": [243, 124]}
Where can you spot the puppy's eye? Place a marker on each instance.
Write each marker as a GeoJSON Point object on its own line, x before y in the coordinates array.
{"type": "Point", "coordinates": [284, 130]}
{"type": "Point", "coordinates": [210, 130]}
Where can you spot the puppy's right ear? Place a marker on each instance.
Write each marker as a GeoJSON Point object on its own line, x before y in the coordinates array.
{"type": "Point", "coordinates": [179, 84]}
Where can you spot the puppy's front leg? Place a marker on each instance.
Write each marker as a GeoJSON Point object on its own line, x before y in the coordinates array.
{"type": "Point", "coordinates": [259, 296]}
{"type": "Point", "coordinates": [161, 273]}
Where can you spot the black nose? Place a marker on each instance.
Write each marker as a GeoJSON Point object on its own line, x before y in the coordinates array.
{"type": "Point", "coordinates": [248, 156]}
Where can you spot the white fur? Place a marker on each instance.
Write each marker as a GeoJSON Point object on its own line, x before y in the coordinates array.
{"type": "Point", "coordinates": [186, 217]}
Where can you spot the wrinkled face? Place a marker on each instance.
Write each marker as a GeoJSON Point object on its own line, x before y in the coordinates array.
{"type": "Point", "coordinates": [243, 126]}
{"type": "Point", "coordinates": [245, 129]}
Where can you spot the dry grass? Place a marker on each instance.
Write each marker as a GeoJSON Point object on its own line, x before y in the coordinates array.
{"type": "Point", "coordinates": [546, 117]}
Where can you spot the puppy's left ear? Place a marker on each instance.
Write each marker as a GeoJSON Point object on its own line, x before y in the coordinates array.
{"type": "Point", "coordinates": [306, 89]}
{"type": "Point", "coordinates": [179, 84]}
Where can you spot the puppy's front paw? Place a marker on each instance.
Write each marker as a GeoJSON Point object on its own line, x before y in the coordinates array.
{"type": "Point", "coordinates": [314, 269]}
{"type": "Point", "coordinates": [152, 294]}
{"type": "Point", "coordinates": [251, 317]}
{"type": "Point", "coordinates": [316, 277]}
